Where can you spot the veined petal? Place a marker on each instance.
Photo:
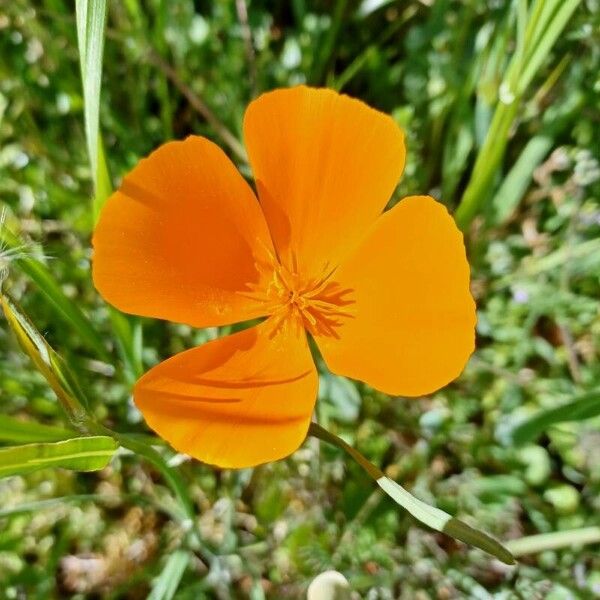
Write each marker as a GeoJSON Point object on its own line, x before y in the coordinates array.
{"type": "Point", "coordinates": [237, 401]}
{"type": "Point", "coordinates": [412, 324]}
{"type": "Point", "coordinates": [183, 239]}
{"type": "Point", "coordinates": [325, 166]}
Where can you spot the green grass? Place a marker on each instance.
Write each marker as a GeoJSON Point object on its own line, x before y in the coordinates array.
{"type": "Point", "coordinates": [500, 106]}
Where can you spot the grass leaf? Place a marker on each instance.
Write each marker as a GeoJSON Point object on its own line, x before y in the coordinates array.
{"type": "Point", "coordinates": [545, 38]}
{"type": "Point", "coordinates": [91, 19]}
{"type": "Point", "coordinates": [77, 454]}
{"type": "Point", "coordinates": [584, 407]}
{"type": "Point", "coordinates": [535, 544]}
{"type": "Point", "coordinates": [47, 361]}
{"type": "Point", "coordinates": [166, 584]}
{"type": "Point", "coordinates": [438, 520]}
{"type": "Point", "coordinates": [39, 505]}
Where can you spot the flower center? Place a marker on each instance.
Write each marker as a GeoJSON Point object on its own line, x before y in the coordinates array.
{"type": "Point", "coordinates": [318, 305]}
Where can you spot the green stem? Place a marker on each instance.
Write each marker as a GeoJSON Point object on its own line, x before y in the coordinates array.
{"type": "Point", "coordinates": [319, 432]}
{"type": "Point", "coordinates": [534, 544]}
{"type": "Point", "coordinates": [324, 57]}
{"type": "Point", "coordinates": [487, 163]}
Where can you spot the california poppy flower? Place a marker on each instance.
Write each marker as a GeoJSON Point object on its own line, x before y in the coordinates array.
{"type": "Point", "coordinates": [385, 296]}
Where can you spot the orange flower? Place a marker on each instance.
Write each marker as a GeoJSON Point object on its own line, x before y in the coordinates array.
{"type": "Point", "coordinates": [385, 296]}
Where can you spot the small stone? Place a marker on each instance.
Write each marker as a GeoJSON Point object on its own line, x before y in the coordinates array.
{"type": "Point", "coordinates": [329, 585]}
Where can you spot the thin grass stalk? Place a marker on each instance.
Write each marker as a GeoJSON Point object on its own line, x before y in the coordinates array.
{"type": "Point", "coordinates": [535, 544]}
{"type": "Point", "coordinates": [91, 23]}
{"type": "Point", "coordinates": [430, 516]}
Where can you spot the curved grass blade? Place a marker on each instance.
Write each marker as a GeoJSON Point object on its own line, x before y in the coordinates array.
{"type": "Point", "coordinates": [583, 407]}
{"type": "Point", "coordinates": [23, 432]}
{"type": "Point", "coordinates": [444, 523]}
{"type": "Point", "coordinates": [430, 516]}
{"type": "Point", "coordinates": [91, 18]}
{"type": "Point", "coordinates": [77, 454]}
{"type": "Point", "coordinates": [47, 361]}
{"type": "Point", "coordinates": [91, 21]}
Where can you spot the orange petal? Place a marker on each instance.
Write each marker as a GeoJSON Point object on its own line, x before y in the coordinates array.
{"type": "Point", "coordinates": [412, 327]}
{"type": "Point", "coordinates": [182, 238]}
{"type": "Point", "coordinates": [325, 166]}
{"type": "Point", "coordinates": [237, 401]}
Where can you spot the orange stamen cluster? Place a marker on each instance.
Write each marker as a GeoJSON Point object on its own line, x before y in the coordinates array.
{"type": "Point", "coordinates": [318, 304]}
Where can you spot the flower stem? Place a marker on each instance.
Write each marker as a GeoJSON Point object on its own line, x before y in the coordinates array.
{"type": "Point", "coordinates": [320, 432]}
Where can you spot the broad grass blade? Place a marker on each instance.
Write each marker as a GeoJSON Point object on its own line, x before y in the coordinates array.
{"type": "Point", "coordinates": [77, 454]}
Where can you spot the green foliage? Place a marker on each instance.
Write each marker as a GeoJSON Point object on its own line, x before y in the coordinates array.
{"type": "Point", "coordinates": [583, 407]}
{"type": "Point", "coordinates": [538, 28]}
{"type": "Point", "coordinates": [78, 454]}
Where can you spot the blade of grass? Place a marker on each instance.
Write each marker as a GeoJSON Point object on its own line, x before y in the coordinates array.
{"type": "Point", "coordinates": [583, 407]}
{"type": "Point", "coordinates": [48, 362]}
{"type": "Point", "coordinates": [91, 18]}
{"type": "Point", "coordinates": [535, 544]}
{"type": "Point", "coordinates": [166, 584]}
{"type": "Point", "coordinates": [160, 23]}
{"type": "Point", "coordinates": [91, 21]}
{"type": "Point", "coordinates": [542, 46]}
{"type": "Point", "coordinates": [77, 454]}
{"type": "Point", "coordinates": [129, 337]}
{"type": "Point", "coordinates": [428, 515]}
{"type": "Point", "coordinates": [34, 507]}
{"type": "Point", "coordinates": [325, 53]}
{"type": "Point", "coordinates": [518, 179]}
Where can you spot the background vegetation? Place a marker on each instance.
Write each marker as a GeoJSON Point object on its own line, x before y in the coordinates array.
{"type": "Point", "coordinates": [501, 108]}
